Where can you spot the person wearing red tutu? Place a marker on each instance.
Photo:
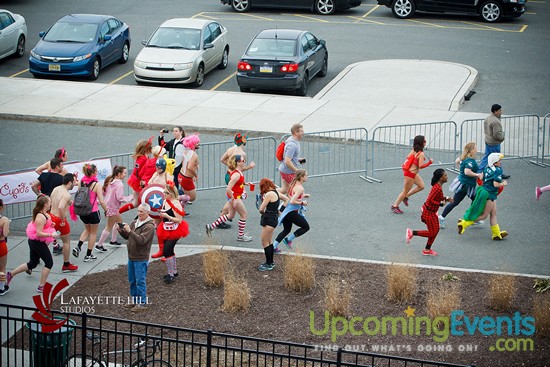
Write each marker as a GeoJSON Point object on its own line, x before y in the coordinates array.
{"type": "Point", "coordinates": [172, 228]}
{"type": "Point", "coordinates": [136, 181]}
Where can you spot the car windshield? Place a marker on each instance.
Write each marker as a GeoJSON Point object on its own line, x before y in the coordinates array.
{"type": "Point", "coordinates": [269, 47]}
{"type": "Point", "coordinates": [72, 32]}
{"type": "Point", "coordinates": [177, 38]}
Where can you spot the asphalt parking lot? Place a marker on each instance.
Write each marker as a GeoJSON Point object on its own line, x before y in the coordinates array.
{"type": "Point", "coordinates": [362, 33]}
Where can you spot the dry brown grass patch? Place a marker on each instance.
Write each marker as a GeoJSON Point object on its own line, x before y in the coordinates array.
{"type": "Point", "coordinates": [214, 263]}
{"type": "Point", "coordinates": [236, 293]}
{"type": "Point", "coordinates": [542, 315]}
{"type": "Point", "coordinates": [337, 296]}
{"type": "Point", "coordinates": [502, 290]}
{"type": "Point", "coordinates": [401, 282]}
{"type": "Point", "coordinates": [299, 272]}
{"type": "Point", "coordinates": [442, 299]}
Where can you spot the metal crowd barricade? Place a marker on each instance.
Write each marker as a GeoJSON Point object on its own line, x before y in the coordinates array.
{"type": "Point", "coordinates": [336, 152]}
{"type": "Point", "coordinates": [545, 144]}
{"type": "Point", "coordinates": [522, 135]}
{"type": "Point", "coordinates": [390, 145]}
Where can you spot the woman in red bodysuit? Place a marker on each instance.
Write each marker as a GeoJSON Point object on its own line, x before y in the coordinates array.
{"type": "Point", "coordinates": [135, 181]}
{"type": "Point", "coordinates": [429, 216]}
{"type": "Point", "coordinates": [411, 167]}
{"type": "Point", "coordinates": [235, 193]}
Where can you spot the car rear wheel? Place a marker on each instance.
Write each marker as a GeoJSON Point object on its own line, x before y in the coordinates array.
{"type": "Point", "coordinates": [200, 76]}
{"type": "Point", "coordinates": [324, 69]}
{"type": "Point", "coordinates": [491, 12]}
{"type": "Point", "coordinates": [403, 8]}
{"type": "Point", "coordinates": [240, 6]}
{"type": "Point", "coordinates": [125, 53]}
{"type": "Point", "coordinates": [245, 90]}
{"type": "Point", "coordinates": [325, 7]}
{"type": "Point", "coordinates": [225, 59]}
{"type": "Point", "coordinates": [96, 67]}
{"type": "Point", "coordinates": [302, 91]}
{"type": "Point", "coordinates": [20, 46]}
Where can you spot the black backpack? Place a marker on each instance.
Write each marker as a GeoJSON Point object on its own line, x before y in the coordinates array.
{"type": "Point", "coordinates": [82, 204]}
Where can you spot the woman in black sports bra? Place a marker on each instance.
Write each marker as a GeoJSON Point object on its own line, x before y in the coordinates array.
{"type": "Point", "coordinates": [269, 209]}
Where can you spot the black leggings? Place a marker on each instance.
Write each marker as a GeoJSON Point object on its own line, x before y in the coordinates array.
{"type": "Point", "coordinates": [459, 196]}
{"type": "Point", "coordinates": [290, 219]}
{"type": "Point", "coordinates": [39, 250]}
{"type": "Point", "coordinates": [168, 250]}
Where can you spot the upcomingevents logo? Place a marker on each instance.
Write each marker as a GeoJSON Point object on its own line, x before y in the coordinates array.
{"type": "Point", "coordinates": [43, 303]}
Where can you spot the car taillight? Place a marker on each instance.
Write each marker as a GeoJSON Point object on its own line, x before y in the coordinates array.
{"type": "Point", "coordinates": [244, 66]}
{"type": "Point", "coordinates": [289, 68]}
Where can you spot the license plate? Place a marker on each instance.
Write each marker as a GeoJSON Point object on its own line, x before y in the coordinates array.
{"type": "Point", "coordinates": [53, 67]}
{"type": "Point", "coordinates": [266, 69]}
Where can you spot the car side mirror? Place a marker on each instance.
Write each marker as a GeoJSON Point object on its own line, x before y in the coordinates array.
{"type": "Point", "coordinates": [322, 42]}
{"type": "Point", "coordinates": [144, 42]}
{"type": "Point", "coordinates": [41, 34]}
{"type": "Point", "coordinates": [208, 45]}
{"type": "Point", "coordinates": [107, 37]}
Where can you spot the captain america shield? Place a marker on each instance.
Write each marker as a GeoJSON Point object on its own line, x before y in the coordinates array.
{"type": "Point", "coordinates": [154, 196]}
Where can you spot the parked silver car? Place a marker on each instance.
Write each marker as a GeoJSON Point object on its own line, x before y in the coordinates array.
{"type": "Point", "coordinates": [13, 34]}
{"type": "Point", "coordinates": [182, 51]}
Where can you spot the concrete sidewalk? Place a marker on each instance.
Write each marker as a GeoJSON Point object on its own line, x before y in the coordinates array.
{"type": "Point", "coordinates": [363, 95]}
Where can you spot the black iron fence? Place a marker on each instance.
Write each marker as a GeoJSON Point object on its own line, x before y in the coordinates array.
{"type": "Point", "coordinates": [91, 340]}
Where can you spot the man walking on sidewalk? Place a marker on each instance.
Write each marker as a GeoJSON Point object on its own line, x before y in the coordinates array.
{"type": "Point", "coordinates": [494, 135]}
{"type": "Point", "coordinates": [140, 234]}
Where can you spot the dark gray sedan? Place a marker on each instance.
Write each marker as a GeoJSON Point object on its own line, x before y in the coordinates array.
{"type": "Point", "coordinates": [282, 59]}
{"type": "Point", "coordinates": [323, 7]}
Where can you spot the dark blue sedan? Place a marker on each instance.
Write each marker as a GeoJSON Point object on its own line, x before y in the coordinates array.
{"type": "Point", "coordinates": [283, 59]}
{"type": "Point", "coordinates": [80, 45]}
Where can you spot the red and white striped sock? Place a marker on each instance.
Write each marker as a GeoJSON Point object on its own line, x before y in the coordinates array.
{"type": "Point", "coordinates": [220, 220]}
{"type": "Point", "coordinates": [242, 224]}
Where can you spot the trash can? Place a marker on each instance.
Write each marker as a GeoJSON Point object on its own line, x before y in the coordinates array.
{"type": "Point", "coordinates": [50, 349]}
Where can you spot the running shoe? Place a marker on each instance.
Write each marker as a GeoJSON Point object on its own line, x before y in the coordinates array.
{"type": "Point", "coordinates": [139, 308]}
{"type": "Point", "coordinates": [244, 238]}
{"type": "Point", "coordinates": [429, 252]}
{"type": "Point", "coordinates": [69, 268]}
{"type": "Point", "coordinates": [276, 250]}
{"type": "Point", "coordinates": [224, 226]}
{"type": "Point", "coordinates": [537, 192]}
{"type": "Point", "coordinates": [169, 279]}
{"type": "Point", "coordinates": [40, 289]}
{"type": "Point", "coordinates": [89, 258]}
{"type": "Point", "coordinates": [266, 267]}
{"type": "Point", "coordinates": [287, 243]}
{"type": "Point", "coordinates": [115, 244]}
{"type": "Point", "coordinates": [209, 230]}
{"type": "Point", "coordinates": [57, 249]}
{"type": "Point", "coordinates": [100, 249]}
{"type": "Point", "coordinates": [478, 223]}
{"type": "Point", "coordinates": [441, 221]}
{"type": "Point", "coordinates": [406, 201]}
{"type": "Point", "coordinates": [408, 236]}
{"type": "Point", "coordinates": [5, 290]}
{"type": "Point", "coordinates": [396, 210]}
{"type": "Point", "coordinates": [76, 251]}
